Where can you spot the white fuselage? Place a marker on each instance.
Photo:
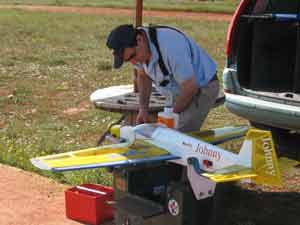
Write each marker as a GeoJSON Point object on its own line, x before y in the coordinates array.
{"type": "Point", "coordinates": [210, 157]}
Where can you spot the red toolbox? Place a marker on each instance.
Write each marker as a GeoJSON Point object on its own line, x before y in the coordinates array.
{"type": "Point", "coordinates": [88, 203]}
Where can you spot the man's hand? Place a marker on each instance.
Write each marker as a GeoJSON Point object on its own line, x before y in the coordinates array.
{"type": "Point", "coordinates": [142, 117]}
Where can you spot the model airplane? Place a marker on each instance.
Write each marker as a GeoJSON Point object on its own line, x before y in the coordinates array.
{"type": "Point", "coordinates": [207, 164]}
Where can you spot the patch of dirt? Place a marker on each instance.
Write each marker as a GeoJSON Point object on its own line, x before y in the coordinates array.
{"type": "Point", "coordinates": [30, 199]}
{"type": "Point", "coordinates": [2, 124]}
{"type": "Point", "coordinates": [128, 12]}
{"type": "Point", "coordinates": [4, 92]}
{"type": "Point", "coordinates": [83, 107]}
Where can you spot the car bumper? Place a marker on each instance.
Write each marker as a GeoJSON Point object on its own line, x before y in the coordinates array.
{"type": "Point", "coordinates": [261, 111]}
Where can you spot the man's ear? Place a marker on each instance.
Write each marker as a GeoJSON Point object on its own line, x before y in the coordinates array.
{"type": "Point", "coordinates": [139, 39]}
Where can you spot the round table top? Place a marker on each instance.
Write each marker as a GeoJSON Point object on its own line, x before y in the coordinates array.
{"type": "Point", "coordinates": [122, 99]}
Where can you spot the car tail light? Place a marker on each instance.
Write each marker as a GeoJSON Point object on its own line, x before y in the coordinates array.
{"type": "Point", "coordinates": [233, 23]}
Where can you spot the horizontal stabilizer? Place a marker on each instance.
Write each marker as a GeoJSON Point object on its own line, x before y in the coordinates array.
{"type": "Point", "coordinates": [108, 156]}
{"type": "Point", "coordinates": [220, 135]}
{"type": "Point", "coordinates": [231, 173]}
{"type": "Point", "coordinates": [218, 178]}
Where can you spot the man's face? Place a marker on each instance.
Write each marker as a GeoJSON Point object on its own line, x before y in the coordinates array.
{"type": "Point", "coordinates": [130, 54]}
{"type": "Point", "coordinates": [138, 53]}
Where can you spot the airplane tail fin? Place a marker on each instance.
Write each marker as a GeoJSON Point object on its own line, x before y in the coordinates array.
{"type": "Point", "coordinates": [263, 157]}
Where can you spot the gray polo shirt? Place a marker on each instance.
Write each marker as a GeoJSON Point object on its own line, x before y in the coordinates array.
{"type": "Point", "coordinates": [183, 59]}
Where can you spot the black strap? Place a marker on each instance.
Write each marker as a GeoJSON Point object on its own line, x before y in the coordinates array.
{"type": "Point", "coordinates": [162, 66]}
{"type": "Point", "coordinates": [153, 37]}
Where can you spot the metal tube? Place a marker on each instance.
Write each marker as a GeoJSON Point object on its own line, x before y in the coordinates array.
{"type": "Point", "coordinates": [139, 13]}
{"type": "Point", "coordinates": [297, 62]}
{"type": "Point", "coordinates": [138, 22]}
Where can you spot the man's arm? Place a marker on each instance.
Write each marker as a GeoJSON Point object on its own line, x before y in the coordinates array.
{"type": "Point", "coordinates": [145, 88]}
{"type": "Point", "coordinates": [188, 89]}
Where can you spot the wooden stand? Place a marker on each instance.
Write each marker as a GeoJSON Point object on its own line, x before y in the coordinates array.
{"type": "Point", "coordinates": [128, 105]}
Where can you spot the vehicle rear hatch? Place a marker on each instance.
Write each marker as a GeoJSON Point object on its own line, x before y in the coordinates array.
{"type": "Point", "coordinates": [265, 48]}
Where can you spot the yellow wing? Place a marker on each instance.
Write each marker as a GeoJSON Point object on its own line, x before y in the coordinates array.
{"type": "Point", "coordinates": [107, 156]}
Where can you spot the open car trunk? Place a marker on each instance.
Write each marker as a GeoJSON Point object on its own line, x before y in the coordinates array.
{"type": "Point", "coordinates": [267, 52]}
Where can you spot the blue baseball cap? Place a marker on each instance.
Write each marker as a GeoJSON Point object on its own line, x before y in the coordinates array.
{"type": "Point", "coordinates": [122, 37]}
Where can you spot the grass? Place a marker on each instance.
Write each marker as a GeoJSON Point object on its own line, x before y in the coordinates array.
{"type": "Point", "coordinates": [224, 6]}
{"type": "Point", "coordinates": [45, 72]}
{"type": "Point", "coordinates": [48, 73]}
{"type": "Point", "coordinates": [50, 65]}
